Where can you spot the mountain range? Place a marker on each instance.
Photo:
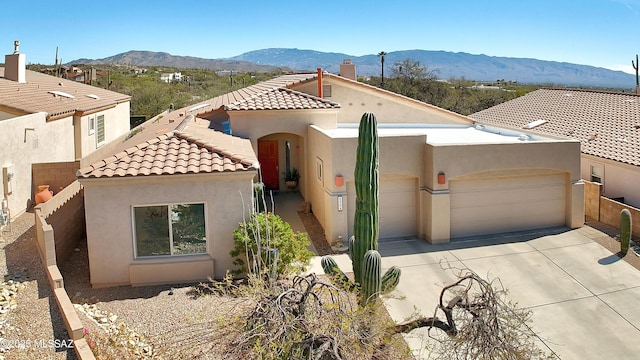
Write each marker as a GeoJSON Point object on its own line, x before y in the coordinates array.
{"type": "Point", "coordinates": [446, 65]}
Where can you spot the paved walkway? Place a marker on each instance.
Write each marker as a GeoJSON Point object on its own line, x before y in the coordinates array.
{"type": "Point", "coordinates": [287, 204]}
{"type": "Point", "coordinates": [584, 299]}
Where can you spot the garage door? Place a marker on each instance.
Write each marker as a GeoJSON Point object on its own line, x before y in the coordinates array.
{"type": "Point", "coordinates": [398, 213]}
{"type": "Point", "coordinates": [495, 205]}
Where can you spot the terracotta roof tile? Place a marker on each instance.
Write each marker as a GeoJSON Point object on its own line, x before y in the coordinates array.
{"type": "Point", "coordinates": [604, 122]}
{"type": "Point", "coordinates": [39, 94]}
{"type": "Point", "coordinates": [189, 154]}
{"type": "Point", "coordinates": [281, 99]}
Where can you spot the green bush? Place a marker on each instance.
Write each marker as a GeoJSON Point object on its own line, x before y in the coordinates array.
{"type": "Point", "coordinates": [270, 232]}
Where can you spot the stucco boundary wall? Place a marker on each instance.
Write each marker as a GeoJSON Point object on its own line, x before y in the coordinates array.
{"type": "Point", "coordinates": [62, 206]}
{"type": "Point", "coordinates": [57, 175]}
{"type": "Point", "coordinates": [607, 211]}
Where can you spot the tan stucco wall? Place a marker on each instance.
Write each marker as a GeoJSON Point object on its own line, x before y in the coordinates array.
{"type": "Point", "coordinates": [460, 160]}
{"type": "Point", "coordinates": [108, 205]}
{"type": "Point", "coordinates": [491, 161]}
{"type": "Point", "coordinates": [356, 99]}
{"type": "Point", "coordinates": [255, 124]}
{"type": "Point", "coordinates": [116, 123]}
{"type": "Point", "coordinates": [399, 157]}
{"type": "Point", "coordinates": [411, 156]}
{"type": "Point", "coordinates": [48, 142]}
{"type": "Point", "coordinates": [620, 180]}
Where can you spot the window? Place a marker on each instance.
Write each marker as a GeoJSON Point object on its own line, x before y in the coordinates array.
{"type": "Point", "coordinates": [177, 229]}
{"type": "Point", "coordinates": [596, 174]}
{"type": "Point", "coordinates": [100, 135]}
{"type": "Point", "coordinates": [92, 125]}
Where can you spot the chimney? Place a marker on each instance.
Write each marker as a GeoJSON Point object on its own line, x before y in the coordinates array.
{"type": "Point", "coordinates": [320, 82]}
{"type": "Point", "coordinates": [348, 69]}
{"type": "Point", "coordinates": [14, 65]}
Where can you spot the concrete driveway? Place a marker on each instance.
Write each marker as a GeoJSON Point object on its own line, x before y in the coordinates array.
{"type": "Point", "coordinates": [584, 299]}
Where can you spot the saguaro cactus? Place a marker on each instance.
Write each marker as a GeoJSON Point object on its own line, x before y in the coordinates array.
{"type": "Point", "coordinates": [363, 245]}
{"type": "Point", "coordinates": [365, 224]}
{"type": "Point", "coordinates": [635, 66]}
{"type": "Point", "coordinates": [625, 230]}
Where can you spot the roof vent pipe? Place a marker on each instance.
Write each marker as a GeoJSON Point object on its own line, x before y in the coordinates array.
{"type": "Point", "coordinates": [320, 83]}
{"type": "Point", "coordinates": [15, 65]}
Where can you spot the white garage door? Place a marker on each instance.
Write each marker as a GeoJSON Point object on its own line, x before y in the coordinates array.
{"type": "Point", "coordinates": [398, 213]}
{"type": "Point", "coordinates": [491, 206]}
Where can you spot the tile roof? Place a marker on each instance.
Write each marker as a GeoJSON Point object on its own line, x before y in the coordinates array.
{"type": "Point", "coordinates": [236, 97]}
{"type": "Point", "coordinates": [607, 124]}
{"type": "Point", "coordinates": [56, 96]}
{"type": "Point", "coordinates": [281, 99]}
{"type": "Point", "coordinates": [177, 152]}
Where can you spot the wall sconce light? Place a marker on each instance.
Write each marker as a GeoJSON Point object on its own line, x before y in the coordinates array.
{"type": "Point", "coordinates": [298, 149]}
{"type": "Point", "coordinates": [339, 180]}
{"type": "Point", "coordinates": [442, 179]}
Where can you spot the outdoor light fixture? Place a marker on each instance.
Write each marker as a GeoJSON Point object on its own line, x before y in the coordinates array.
{"type": "Point", "coordinates": [339, 180]}
{"type": "Point", "coordinates": [441, 178]}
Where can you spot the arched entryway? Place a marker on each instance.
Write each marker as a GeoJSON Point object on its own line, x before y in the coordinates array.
{"type": "Point", "coordinates": [280, 155]}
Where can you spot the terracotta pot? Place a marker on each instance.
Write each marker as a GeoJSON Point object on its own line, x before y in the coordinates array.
{"type": "Point", "coordinates": [291, 184]}
{"type": "Point", "coordinates": [43, 194]}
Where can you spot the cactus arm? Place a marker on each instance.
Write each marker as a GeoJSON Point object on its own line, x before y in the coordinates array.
{"type": "Point", "coordinates": [331, 268]}
{"type": "Point", "coordinates": [371, 282]}
{"type": "Point", "coordinates": [625, 231]}
{"type": "Point", "coordinates": [390, 279]}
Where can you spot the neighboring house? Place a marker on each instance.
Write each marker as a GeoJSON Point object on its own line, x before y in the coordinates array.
{"type": "Point", "coordinates": [606, 124]}
{"type": "Point", "coordinates": [169, 77]}
{"type": "Point", "coordinates": [45, 119]}
{"type": "Point", "coordinates": [441, 176]}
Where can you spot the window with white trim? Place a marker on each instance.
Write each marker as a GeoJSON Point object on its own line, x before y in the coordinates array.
{"type": "Point", "coordinates": [100, 136]}
{"type": "Point", "coordinates": [169, 230]}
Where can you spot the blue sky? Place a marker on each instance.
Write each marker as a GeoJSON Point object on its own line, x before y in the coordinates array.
{"type": "Point", "coordinates": [601, 33]}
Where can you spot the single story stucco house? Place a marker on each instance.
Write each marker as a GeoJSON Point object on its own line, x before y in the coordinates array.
{"type": "Point", "coordinates": [443, 176]}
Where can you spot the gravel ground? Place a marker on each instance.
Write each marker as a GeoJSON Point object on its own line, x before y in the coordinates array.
{"type": "Point", "coordinates": [178, 320]}
{"type": "Point", "coordinates": [29, 329]}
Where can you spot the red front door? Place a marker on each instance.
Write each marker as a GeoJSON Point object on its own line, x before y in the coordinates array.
{"type": "Point", "coordinates": [268, 158]}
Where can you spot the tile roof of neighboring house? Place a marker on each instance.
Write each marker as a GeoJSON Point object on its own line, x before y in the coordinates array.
{"type": "Point", "coordinates": [281, 99]}
{"type": "Point", "coordinates": [56, 96]}
{"type": "Point", "coordinates": [188, 150]}
{"type": "Point", "coordinates": [607, 124]}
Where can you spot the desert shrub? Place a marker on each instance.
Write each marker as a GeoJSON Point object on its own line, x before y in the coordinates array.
{"type": "Point", "coordinates": [264, 242]}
